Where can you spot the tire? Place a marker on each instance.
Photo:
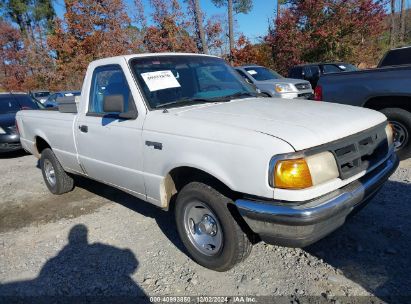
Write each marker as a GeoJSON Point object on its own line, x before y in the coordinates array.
{"type": "Point", "coordinates": [53, 171]}
{"type": "Point", "coordinates": [227, 244]}
{"type": "Point", "coordinates": [401, 120]}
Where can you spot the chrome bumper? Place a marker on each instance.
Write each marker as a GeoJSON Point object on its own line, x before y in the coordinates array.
{"type": "Point", "coordinates": [304, 223]}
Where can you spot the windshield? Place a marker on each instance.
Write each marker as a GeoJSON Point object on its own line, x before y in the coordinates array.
{"type": "Point", "coordinates": [261, 74]}
{"type": "Point", "coordinates": [169, 81]}
{"type": "Point", "coordinates": [339, 67]}
{"type": "Point", "coordinates": [41, 94]}
{"type": "Point", "coordinates": [8, 105]}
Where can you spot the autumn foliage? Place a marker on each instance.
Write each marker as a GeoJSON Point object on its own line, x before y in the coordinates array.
{"type": "Point", "coordinates": [41, 51]}
{"type": "Point", "coordinates": [327, 30]}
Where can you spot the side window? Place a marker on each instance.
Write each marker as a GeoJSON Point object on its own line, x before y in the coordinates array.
{"type": "Point", "coordinates": [296, 73]}
{"type": "Point", "coordinates": [330, 68]}
{"type": "Point", "coordinates": [315, 71]}
{"type": "Point", "coordinates": [307, 72]}
{"type": "Point", "coordinates": [242, 74]}
{"type": "Point", "coordinates": [107, 81]}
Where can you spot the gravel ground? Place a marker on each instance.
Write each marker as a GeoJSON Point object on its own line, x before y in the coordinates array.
{"type": "Point", "coordinates": [100, 241]}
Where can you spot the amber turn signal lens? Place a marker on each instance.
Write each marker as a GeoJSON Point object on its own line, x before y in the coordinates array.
{"type": "Point", "coordinates": [292, 174]}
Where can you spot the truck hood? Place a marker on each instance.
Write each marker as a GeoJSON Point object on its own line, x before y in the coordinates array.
{"type": "Point", "coordinates": [301, 123]}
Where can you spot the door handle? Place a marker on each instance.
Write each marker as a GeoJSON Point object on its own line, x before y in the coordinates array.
{"type": "Point", "coordinates": [83, 128]}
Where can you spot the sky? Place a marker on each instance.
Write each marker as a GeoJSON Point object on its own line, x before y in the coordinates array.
{"type": "Point", "coordinates": [253, 24]}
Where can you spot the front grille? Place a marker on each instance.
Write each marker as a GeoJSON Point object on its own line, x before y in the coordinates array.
{"type": "Point", "coordinates": [360, 151]}
{"type": "Point", "coordinates": [303, 86]}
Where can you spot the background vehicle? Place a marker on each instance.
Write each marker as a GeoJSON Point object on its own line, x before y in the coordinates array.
{"type": "Point", "coordinates": [184, 132]}
{"type": "Point", "coordinates": [273, 84]}
{"type": "Point", "coordinates": [394, 57]}
{"type": "Point", "coordinates": [51, 101]}
{"type": "Point", "coordinates": [385, 89]}
{"type": "Point", "coordinates": [40, 95]}
{"type": "Point", "coordinates": [313, 71]}
{"type": "Point", "coordinates": [10, 104]}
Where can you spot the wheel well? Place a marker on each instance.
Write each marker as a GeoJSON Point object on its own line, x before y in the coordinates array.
{"type": "Point", "coordinates": [41, 144]}
{"type": "Point", "coordinates": [181, 176]}
{"type": "Point", "coordinates": [379, 103]}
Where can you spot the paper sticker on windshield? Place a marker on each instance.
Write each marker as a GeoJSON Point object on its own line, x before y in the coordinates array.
{"type": "Point", "coordinates": [160, 80]}
{"type": "Point", "coordinates": [342, 67]}
{"type": "Point", "coordinates": [252, 72]}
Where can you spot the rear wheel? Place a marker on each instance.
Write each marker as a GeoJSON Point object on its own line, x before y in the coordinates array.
{"type": "Point", "coordinates": [401, 122]}
{"type": "Point", "coordinates": [207, 229]}
{"type": "Point", "coordinates": [56, 179]}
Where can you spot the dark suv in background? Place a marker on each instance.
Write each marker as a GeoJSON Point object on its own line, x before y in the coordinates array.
{"type": "Point", "coordinates": [313, 71]}
{"type": "Point", "coordinates": [10, 104]}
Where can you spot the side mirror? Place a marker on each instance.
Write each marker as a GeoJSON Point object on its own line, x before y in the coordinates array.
{"type": "Point", "coordinates": [115, 104]}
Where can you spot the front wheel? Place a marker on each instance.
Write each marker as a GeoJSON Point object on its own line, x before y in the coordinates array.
{"type": "Point", "coordinates": [208, 230]}
{"type": "Point", "coordinates": [401, 122]}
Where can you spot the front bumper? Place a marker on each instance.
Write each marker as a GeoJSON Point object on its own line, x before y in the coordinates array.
{"type": "Point", "coordinates": [306, 94]}
{"type": "Point", "coordinates": [9, 143]}
{"type": "Point", "coordinates": [304, 223]}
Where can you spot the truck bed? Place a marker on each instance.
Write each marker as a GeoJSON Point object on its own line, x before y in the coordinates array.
{"type": "Point", "coordinates": [355, 88]}
{"type": "Point", "coordinates": [54, 127]}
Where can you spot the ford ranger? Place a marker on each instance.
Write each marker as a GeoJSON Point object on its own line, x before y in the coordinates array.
{"type": "Point", "coordinates": [185, 133]}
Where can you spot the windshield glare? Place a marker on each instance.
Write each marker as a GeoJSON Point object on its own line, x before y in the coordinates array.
{"type": "Point", "coordinates": [261, 74]}
{"type": "Point", "coordinates": [184, 80]}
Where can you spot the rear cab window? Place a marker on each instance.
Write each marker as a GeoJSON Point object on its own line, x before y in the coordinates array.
{"type": "Point", "coordinates": [397, 57]}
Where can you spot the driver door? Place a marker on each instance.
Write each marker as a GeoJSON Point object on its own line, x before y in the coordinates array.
{"type": "Point", "coordinates": [109, 148]}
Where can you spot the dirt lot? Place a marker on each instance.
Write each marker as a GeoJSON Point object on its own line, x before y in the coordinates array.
{"type": "Point", "coordinates": [99, 241]}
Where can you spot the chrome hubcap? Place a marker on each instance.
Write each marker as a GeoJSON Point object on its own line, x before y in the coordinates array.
{"type": "Point", "coordinates": [49, 171]}
{"type": "Point", "coordinates": [203, 228]}
{"type": "Point", "coordinates": [400, 134]}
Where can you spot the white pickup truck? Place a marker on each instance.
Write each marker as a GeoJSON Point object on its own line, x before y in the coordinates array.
{"type": "Point", "coordinates": [185, 133]}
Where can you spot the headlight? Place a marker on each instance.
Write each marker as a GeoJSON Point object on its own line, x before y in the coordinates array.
{"type": "Point", "coordinates": [2, 131]}
{"type": "Point", "coordinates": [389, 130]}
{"type": "Point", "coordinates": [301, 173]}
{"type": "Point", "coordinates": [283, 88]}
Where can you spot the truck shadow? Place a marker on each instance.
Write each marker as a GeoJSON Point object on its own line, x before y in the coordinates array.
{"type": "Point", "coordinates": [164, 219]}
{"type": "Point", "coordinates": [13, 154]}
{"type": "Point", "coordinates": [81, 271]}
{"type": "Point", "coordinates": [373, 248]}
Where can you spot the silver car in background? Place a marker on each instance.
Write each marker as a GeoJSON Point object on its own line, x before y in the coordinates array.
{"type": "Point", "coordinates": [272, 84]}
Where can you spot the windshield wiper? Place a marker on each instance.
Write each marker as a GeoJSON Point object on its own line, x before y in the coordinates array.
{"type": "Point", "coordinates": [191, 101]}
{"type": "Point", "coordinates": [235, 96]}
{"type": "Point", "coordinates": [184, 101]}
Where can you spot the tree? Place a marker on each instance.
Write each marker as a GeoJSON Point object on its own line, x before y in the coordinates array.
{"type": "Point", "coordinates": [12, 58]}
{"type": "Point", "coordinates": [247, 53]}
{"type": "Point", "coordinates": [30, 15]}
{"type": "Point", "coordinates": [279, 3]}
{"type": "Point", "coordinates": [195, 9]}
{"type": "Point", "coordinates": [402, 21]}
{"type": "Point", "coordinates": [169, 32]}
{"type": "Point", "coordinates": [236, 6]}
{"type": "Point", "coordinates": [392, 25]}
{"type": "Point", "coordinates": [327, 30]}
{"type": "Point", "coordinates": [90, 30]}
